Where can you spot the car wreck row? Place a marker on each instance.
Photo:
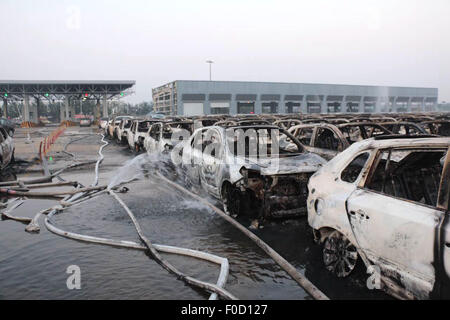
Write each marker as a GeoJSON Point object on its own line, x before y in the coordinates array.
{"type": "Point", "coordinates": [375, 188]}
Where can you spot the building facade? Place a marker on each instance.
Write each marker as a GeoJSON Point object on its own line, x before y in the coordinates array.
{"type": "Point", "coordinates": [444, 106]}
{"type": "Point", "coordinates": [190, 98]}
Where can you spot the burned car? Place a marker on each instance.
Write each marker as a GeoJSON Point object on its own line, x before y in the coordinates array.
{"type": "Point", "coordinates": [323, 139]}
{"type": "Point", "coordinates": [405, 128]}
{"type": "Point", "coordinates": [249, 171]}
{"type": "Point", "coordinates": [438, 127]}
{"type": "Point", "coordinates": [327, 140]}
{"type": "Point", "coordinates": [122, 130]}
{"type": "Point", "coordinates": [111, 128]}
{"type": "Point", "coordinates": [385, 201]}
{"type": "Point", "coordinates": [162, 137]}
{"type": "Point", "coordinates": [287, 123]}
{"type": "Point", "coordinates": [103, 123]}
{"type": "Point", "coordinates": [6, 149]}
{"type": "Point", "coordinates": [241, 122]}
{"type": "Point", "coordinates": [138, 132]}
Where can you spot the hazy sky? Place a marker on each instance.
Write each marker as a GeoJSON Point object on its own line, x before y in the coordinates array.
{"type": "Point", "coordinates": [402, 43]}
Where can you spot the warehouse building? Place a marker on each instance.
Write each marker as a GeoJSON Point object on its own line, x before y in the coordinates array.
{"type": "Point", "coordinates": [190, 98]}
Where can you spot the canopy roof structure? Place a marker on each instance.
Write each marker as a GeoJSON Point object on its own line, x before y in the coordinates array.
{"type": "Point", "coordinates": [17, 89]}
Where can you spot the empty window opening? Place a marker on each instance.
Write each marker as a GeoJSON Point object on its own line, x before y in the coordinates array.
{"type": "Point", "coordinates": [413, 175]}
{"type": "Point", "coordinates": [293, 107]}
{"type": "Point", "coordinates": [352, 171]}
{"type": "Point", "coordinates": [246, 107]}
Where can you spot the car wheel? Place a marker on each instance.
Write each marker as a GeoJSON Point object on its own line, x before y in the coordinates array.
{"type": "Point", "coordinates": [339, 254]}
{"type": "Point", "coordinates": [137, 149]}
{"type": "Point", "coordinates": [231, 200]}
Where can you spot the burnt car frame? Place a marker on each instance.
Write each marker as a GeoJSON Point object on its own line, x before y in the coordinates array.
{"type": "Point", "coordinates": [247, 182]}
{"type": "Point", "coordinates": [161, 138]}
{"type": "Point", "coordinates": [403, 127]}
{"type": "Point", "coordinates": [327, 140]}
{"type": "Point", "coordinates": [6, 148]}
{"type": "Point", "coordinates": [385, 201]}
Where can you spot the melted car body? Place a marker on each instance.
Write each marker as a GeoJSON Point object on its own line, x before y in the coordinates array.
{"type": "Point", "coordinates": [387, 199]}
{"type": "Point", "coordinates": [248, 168]}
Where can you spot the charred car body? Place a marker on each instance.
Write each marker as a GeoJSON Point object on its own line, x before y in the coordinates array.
{"type": "Point", "coordinates": [386, 201]}
{"type": "Point", "coordinates": [111, 128]}
{"type": "Point", "coordinates": [164, 136]}
{"type": "Point", "coordinates": [327, 140]}
{"type": "Point", "coordinates": [246, 168]}
{"type": "Point", "coordinates": [122, 130]}
{"type": "Point", "coordinates": [138, 132]}
{"type": "Point", "coordinates": [405, 128]}
{"type": "Point", "coordinates": [6, 148]}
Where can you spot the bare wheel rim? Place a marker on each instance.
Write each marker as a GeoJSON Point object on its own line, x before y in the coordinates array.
{"type": "Point", "coordinates": [339, 255]}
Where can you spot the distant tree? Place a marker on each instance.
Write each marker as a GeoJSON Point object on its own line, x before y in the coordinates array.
{"type": "Point", "coordinates": [144, 108]}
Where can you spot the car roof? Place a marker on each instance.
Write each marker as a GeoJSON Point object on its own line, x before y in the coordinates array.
{"type": "Point", "coordinates": [402, 141]}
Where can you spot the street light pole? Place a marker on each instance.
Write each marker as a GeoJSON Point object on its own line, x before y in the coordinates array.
{"type": "Point", "coordinates": [210, 63]}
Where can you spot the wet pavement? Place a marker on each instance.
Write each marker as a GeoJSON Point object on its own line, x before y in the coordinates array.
{"type": "Point", "coordinates": [33, 266]}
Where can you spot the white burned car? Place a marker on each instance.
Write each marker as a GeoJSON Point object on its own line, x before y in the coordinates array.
{"type": "Point", "coordinates": [249, 170]}
{"type": "Point", "coordinates": [386, 201]}
{"type": "Point", "coordinates": [6, 148]}
{"type": "Point", "coordinates": [164, 136]}
{"type": "Point", "coordinates": [123, 129]}
{"type": "Point", "coordinates": [138, 132]}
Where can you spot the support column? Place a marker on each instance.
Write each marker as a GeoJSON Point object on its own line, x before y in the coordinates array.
{"type": "Point", "coordinates": [281, 105]}
{"type": "Point", "coordinates": [378, 105]}
{"type": "Point", "coordinates": [394, 105]}
{"type": "Point", "coordinates": [408, 106]}
{"type": "Point", "coordinates": [26, 108]}
{"type": "Point", "coordinates": [324, 105]}
{"type": "Point", "coordinates": [34, 117]}
{"type": "Point", "coordinates": [105, 106]}
{"type": "Point", "coordinates": [361, 105]}
{"type": "Point", "coordinates": [62, 112]}
{"type": "Point", "coordinates": [344, 105]}
{"type": "Point", "coordinates": [72, 110]}
{"type": "Point", "coordinates": [423, 104]}
{"type": "Point", "coordinates": [435, 106]}
{"type": "Point", "coordinates": [97, 111]}
{"type": "Point", "coordinates": [258, 105]}
{"type": "Point", "coordinates": [233, 106]}
{"type": "Point", "coordinates": [206, 106]}
{"type": "Point", "coordinates": [385, 105]}
{"type": "Point", "coordinates": [304, 105]}
{"type": "Point", "coordinates": [5, 108]}
{"type": "Point", "coordinates": [66, 108]}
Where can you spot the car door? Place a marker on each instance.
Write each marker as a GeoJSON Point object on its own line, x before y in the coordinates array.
{"type": "Point", "coordinates": [130, 138]}
{"type": "Point", "coordinates": [209, 169]}
{"type": "Point", "coordinates": [394, 217]}
{"type": "Point", "coordinates": [148, 138]}
{"type": "Point", "coordinates": [192, 156]}
{"type": "Point", "coordinates": [153, 138]}
{"type": "Point", "coordinates": [4, 148]}
{"type": "Point", "coordinates": [442, 287]}
{"type": "Point", "coordinates": [326, 142]}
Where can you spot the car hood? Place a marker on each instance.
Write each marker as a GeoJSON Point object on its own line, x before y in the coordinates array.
{"type": "Point", "coordinates": [305, 162]}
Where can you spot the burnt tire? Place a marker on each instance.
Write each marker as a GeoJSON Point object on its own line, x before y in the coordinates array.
{"type": "Point", "coordinates": [137, 148]}
{"type": "Point", "coordinates": [231, 200]}
{"type": "Point", "coordinates": [339, 255]}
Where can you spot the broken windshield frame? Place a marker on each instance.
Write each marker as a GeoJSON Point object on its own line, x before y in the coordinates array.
{"type": "Point", "coordinates": [257, 142]}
